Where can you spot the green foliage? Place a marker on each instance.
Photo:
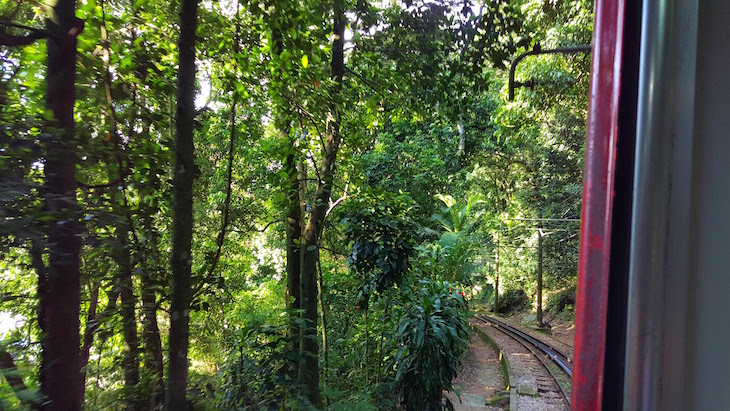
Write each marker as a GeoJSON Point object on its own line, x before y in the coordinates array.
{"type": "Point", "coordinates": [485, 296]}
{"type": "Point", "coordinates": [513, 300]}
{"type": "Point", "coordinates": [456, 217]}
{"type": "Point", "coordinates": [452, 256]}
{"type": "Point", "coordinates": [418, 158]}
{"type": "Point", "coordinates": [343, 401]}
{"type": "Point", "coordinates": [432, 159]}
{"type": "Point", "coordinates": [433, 335]}
{"type": "Point", "coordinates": [254, 375]}
{"type": "Point", "coordinates": [561, 300]}
{"type": "Point", "coordinates": [381, 236]}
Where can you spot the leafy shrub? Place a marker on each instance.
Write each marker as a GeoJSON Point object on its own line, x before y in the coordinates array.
{"type": "Point", "coordinates": [485, 295]}
{"type": "Point", "coordinates": [348, 401]}
{"type": "Point", "coordinates": [381, 243]}
{"type": "Point", "coordinates": [451, 256]}
{"type": "Point", "coordinates": [561, 300]}
{"type": "Point", "coordinates": [568, 313]}
{"type": "Point", "coordinates": [513, 300]}
{"type": "Point", "coordinates": [256, 377]}
{"type": "Point", "coordinates": [433, 335]}
{"type": "Point", "coordinates": [381, 237]}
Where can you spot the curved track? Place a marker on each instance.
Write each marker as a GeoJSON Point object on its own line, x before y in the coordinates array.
{"type": "Point", "coordinates": [539, 349]}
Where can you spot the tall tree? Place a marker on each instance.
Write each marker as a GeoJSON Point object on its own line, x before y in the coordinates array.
{"type": "Point", "coordinates": [287, 95]}
{"type": "Point", "coordinates": [60, 292]}
{"type": "Point", "coordinates": [293, 243]}
{"type": "Point", "coordinates": [291, 186]}
{"type": "Point", "coordinates": [309, 372]}
{"type": "Point", "coordinates": [182, 224]}
{"type": "Point", "coordinates": [122, 249]}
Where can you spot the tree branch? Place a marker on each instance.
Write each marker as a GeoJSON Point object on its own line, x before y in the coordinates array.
{"type": "Point", "coordinates": [336, 202]}
{"type": "Point", "coordinates": [225, 219]}
{"type": "Point", "coordinates": [366, 81]}
{"type": "Point", "coordinates": [87, 187]}
{"type": "Point", "coordinates": [10, 297]}
{"type": "Point", "coordinates": [333, 251]}
{"type": "Point", "coordinates": [10, 40]}
{"type": "Point", "coordinates": [10, 371]}
{"type": "Point", "coordinates": [253, 229]}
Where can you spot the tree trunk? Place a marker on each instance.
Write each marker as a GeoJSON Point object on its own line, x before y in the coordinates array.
{"type": "Point", "coordinates": [61, 294]}
{"type": "Point", "coordinates": [322, 318]}
{"type": "Point", "coordinates": [382, 340]}
{"type": "Point", "coordinates": [130, 360]}
{"type": "Point", "coordinates": [151, 339]}
{"type": "Point", "coordinates": [496, 272]}
{"type": "Point", "coordinates": [293, 249]}
{"type": "Point", "coordinates": [36, 258]}
{"type": "Point", "coordinates": [309, 370]}
{"type": "Point", "coordinates": [92, 324]}
{"type": "Point", "coordinates": [121, 254]}
{"type": "Point", "coordinates": [365, 356]}
{"type": "Point", "coordinates": [294, 214]}
{"type": "Point", "coordinates": [309, 374]}
{"type": "Point", "coordinates": [182, 219]}
{"type": "Point", "coordinates": [151, 273]}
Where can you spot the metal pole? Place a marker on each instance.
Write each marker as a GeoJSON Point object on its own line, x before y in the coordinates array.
{"type": "Point", "coordinates": [496, 272]}
{"type": "Point", "coordinates": [539, 277]}
{"type": "Point", "coordinates": [534, 52]}
{"type": "Point", "coordinates": [543, 219]}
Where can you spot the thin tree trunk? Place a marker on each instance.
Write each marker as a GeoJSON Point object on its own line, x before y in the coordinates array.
{"type": "Point", "coordinates": [293, 249]}
{"type": "Point", "coordinates": [152, 266]}
{"type": "Point", "coordinates": [148, 257]}
{"type": "Point", "coordinates": [225, 219]}
{"type": "Point", "coordinates": [130, 360]}
{"type": "Point", "coordinates": [91, 325]}
{"type": "Point", "coordinates": [61, 294]}
{"type": "Point", "coordinates": [496, 271]}
{"type": "Point", "coordinates": [151, 339]}
{"type": "Point", "coordinates": [323, 319]}
{"type": "Point", "coordinates": [309, 374]}
{"type": "Point", "coordinates": [122, 256]}
{"type": "Point", "coordinates": [293, 215]}
{"type": "Point", "coordinates": [539, 276]}
{"type": "Point", "coordinates": [11, 374]}
{"type": "Point", "coordinates": [382, 338]}
{"type": "Point", "coordinates": [36, 258]}
{"type": "Point", "coordinates": [182, 219]}
{"type": "Point", "coordinates": [367, 346]}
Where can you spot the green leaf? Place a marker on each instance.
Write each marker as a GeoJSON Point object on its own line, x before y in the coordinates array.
{"type": "Point", "coordinates": [305, 61]}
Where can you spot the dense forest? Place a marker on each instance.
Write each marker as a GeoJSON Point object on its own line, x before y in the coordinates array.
{"type": "Point", "coordinates": [266, 205]}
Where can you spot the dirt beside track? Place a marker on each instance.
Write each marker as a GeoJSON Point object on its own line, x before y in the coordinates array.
{"type": "Point", "coordinates": [479, 377]}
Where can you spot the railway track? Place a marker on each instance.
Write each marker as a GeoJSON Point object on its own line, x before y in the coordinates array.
{"type": "Point", "coordinates": [552, 359]}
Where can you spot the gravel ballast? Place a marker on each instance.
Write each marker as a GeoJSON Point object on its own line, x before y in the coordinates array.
{"type": "Point", "coordinates": [528, 373]}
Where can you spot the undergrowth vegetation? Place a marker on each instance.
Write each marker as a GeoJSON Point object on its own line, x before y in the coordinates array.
{"type": "Point", "coordinates": [277, 205]}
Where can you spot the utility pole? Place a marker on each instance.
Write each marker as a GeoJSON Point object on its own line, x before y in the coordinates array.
{"type": "Point", "coordinates": [539, 276]}
{"type": "Point", "coordinates": [540, 222]}
{"type": "Point", "coordinates": [496, 272]}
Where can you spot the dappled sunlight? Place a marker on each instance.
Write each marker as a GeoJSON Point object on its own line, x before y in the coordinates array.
{"type": "Point", "coordinates": [232, 205]}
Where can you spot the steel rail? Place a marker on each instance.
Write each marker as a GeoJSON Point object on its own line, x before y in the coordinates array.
{"type": "Point", "coordinates": [557, 356]}
{"type": "Point", "coordinates": [528, 342]}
